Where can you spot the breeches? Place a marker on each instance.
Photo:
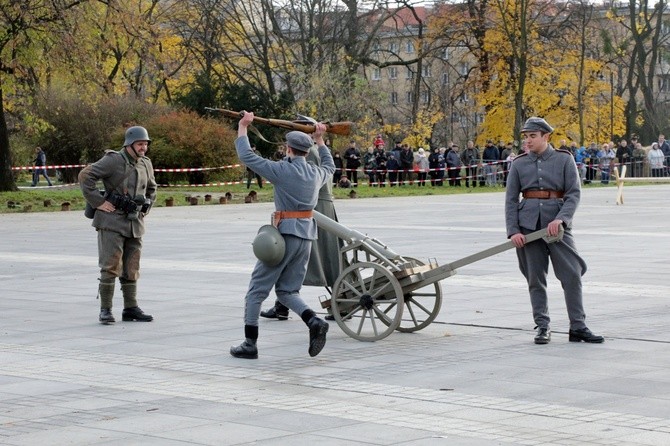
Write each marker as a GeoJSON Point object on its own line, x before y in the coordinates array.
{"type": "Point", "coordinates": [286, 277]}
{"type": "Point", "coordinates": [568, 267]}
{"type": "Point", "coordinates": [118, 256]}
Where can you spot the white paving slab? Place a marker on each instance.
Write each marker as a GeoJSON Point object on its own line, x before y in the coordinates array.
{"type": "Point", "coordinates": [473, 377]}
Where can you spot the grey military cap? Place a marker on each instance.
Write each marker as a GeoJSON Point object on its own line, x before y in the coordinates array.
{"type": "Point", "coordinates": [536, 124]}
{"type": "Point", "coordinates": [299, 141]}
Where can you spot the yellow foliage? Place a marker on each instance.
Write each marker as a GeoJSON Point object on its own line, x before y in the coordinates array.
{"type": "Point", "coordinates": [550, 88]}
{"type": "Point", "coordinates": [420, 132]}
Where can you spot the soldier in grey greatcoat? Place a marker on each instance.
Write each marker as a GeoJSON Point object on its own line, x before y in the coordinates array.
{"type": "Point", "coordinates": [324, 261]}
{"type": "Point", "coordinates": [130, 188]}
{"type": "Point", "coordinates": [549, 183]}
{"type": "Point", "coordinates": [297, 185]}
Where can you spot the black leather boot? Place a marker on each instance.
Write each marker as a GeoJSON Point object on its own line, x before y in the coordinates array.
{"type": "Point", "coordinates": [135, 314]}
{"type": "Point", "coordinates": [279, 312]}
{"type": "Point", "coordinates": [246, 350]}
{"type": "Point", "coordinates": [317, 335]}
{"type": "Point", "coordinates": [543, 336]}
{"type": "Point", "coordinates": [106, 316]}
{"type": "Point", "coordinates": [585, 335]}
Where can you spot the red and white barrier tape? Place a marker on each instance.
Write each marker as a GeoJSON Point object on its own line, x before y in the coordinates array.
{"type": "Point", "coordinates": [56, 166]}
{"type": "Point", "coordinates": [196, 169]}
{"type": "Point", "coordinates": [73, 166]}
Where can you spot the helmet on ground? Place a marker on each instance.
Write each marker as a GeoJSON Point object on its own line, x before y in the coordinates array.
{"type": "Point", "coordinates": [136, 133]}
{"type": "Point", "coordinates": [269, 246]}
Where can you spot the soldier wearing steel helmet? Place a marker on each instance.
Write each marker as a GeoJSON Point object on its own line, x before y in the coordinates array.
{"type": "Point", "coordinates": [296, 183]}
{"type": "Point", "coordinates": [548, 181]}
{"type": "Point", "coordinates": [129, 190]}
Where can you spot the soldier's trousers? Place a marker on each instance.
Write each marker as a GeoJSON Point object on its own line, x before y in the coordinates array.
{"type": "Point", "coordinates": [568, 267]}
{"type": "Point", "coordinates": [118, 256]}
{"type": "Point", "coordinates": [286, 277]}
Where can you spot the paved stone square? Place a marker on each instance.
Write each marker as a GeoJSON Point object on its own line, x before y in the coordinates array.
{"type": "Point", "coordinates": [473, 377]}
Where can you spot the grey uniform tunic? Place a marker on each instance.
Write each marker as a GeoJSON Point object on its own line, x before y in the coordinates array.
{"type": "Point", "coordinates": [296, 183]}
{"type": "Point", "coordinates": [552, 170]}
{"type": "Point", "coordinates": [119, 239]}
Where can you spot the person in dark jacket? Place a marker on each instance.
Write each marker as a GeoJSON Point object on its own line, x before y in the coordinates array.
{"type": "Point", "coordinates": [490, 158]}
{"type": "Point", "coordinates": [39, 167]}
{"type": "Point", "coordinates": [393, 167]}
{"type": "Point", "coordinates": [352, 158]}
{"type": "Point", "coordinates": [454, 166]}
{"type": "Point", "coordinates": [470, 159]}
{"type": "Point", "coordinates": [380, 161]}
{"type": "Point", "coordinates": [591, 161]}
{"type": "Point", "coordinates": [406, 165]}
{"type": "Point", "coordinates": [436, 173]}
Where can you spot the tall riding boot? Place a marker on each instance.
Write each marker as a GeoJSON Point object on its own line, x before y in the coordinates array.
{"type": "Point", "coordinates": [106, 295]}
{"type": "Point", "coordinates": [131, 312]}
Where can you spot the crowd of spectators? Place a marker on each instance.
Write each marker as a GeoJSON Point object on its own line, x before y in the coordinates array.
{"type": "Point", "coordinates": [488, 166]}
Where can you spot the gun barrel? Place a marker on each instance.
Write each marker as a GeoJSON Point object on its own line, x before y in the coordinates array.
{"type": "Point", "coordinates": [351, 235]}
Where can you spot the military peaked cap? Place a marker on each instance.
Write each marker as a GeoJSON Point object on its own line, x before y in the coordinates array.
{"type": "Point", "coordinates": [536, 124]}
{"type": "Point", "coordinates": [299, 141]}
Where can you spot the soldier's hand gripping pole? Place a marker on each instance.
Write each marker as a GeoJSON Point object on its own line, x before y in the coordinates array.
{"type": "Point", "coordinates": [338, 128]}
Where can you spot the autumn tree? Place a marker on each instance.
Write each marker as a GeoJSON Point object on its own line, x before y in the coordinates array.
{"type": "Point", "coordinates": [639, 49]}
{"type": "Point", "coordinates": [122, 46]}
{"type": "Point", "coordinates": [26, 24]}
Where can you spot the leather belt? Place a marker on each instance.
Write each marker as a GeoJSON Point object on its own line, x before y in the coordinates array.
{"type": "Point", "coordinates": [278, 216]}
{"type": "Point", "coordinates": [543, 194]}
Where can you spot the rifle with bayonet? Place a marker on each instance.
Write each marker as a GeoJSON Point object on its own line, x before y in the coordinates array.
{"type": "Point", "coordinates": [306, 125]}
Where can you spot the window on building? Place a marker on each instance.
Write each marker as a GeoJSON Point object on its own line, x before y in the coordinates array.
{"type": "Point", "coordinates": [463, 98]}
{"type": "Point", "coordinates": [376, 46]}
{"type": "Point", "coordinates": [376, 74]}
{"type": "Point", "coordinates": [445, 78]}
{"type": "Point", "coordinates": [410, 97]}
{"type": "Point", "coordinates": [409, 74]}
{"type": "Point", "coordinates": [425, 71]}
{"type": "Point", "coordinates": [445, 54]}
{"type": "Point", "coordinates": [664, 83]}
{"type": "Point", "coordinates": [425, 97]}
{"type": "Point", "coordinates": [394, 98]}
{"type": "Point", "coordinates": [455, 117]}
{"type": "Point", "coordinates": [410, 47]}
{"type": "Point", "coordinates": [393, 72]}
{"type": "Point", "coordinates": [463, 68]}
{"type": "Point", "coordinates": [393, 47]}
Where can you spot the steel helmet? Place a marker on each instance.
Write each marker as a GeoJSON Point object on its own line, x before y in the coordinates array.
{"type": "Point", "coordinates": [269, 246]}
{"type": "Point", "coordinates": [136, 133]}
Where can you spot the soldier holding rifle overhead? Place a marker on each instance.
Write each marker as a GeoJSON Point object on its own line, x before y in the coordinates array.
{"type": "Point", "coordinates": [296, 183]}
{"type": "Point", "coordinates": [550, 186]}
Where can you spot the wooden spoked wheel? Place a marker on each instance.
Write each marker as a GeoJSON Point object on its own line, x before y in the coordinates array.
{"type": "Point", "coordinates": [367, 301]}
{"type": "Point", "coordinates": [421, 305]}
